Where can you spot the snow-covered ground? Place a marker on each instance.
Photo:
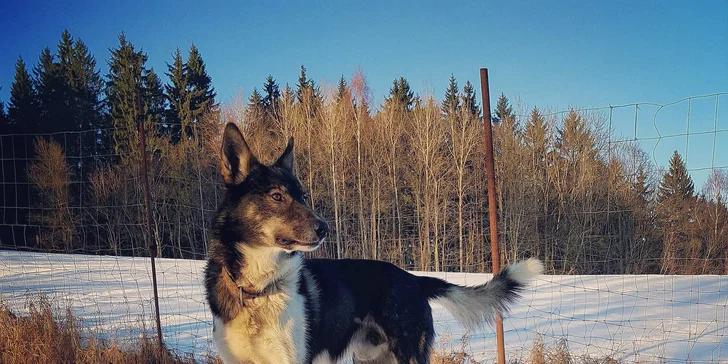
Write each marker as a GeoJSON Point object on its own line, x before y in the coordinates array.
{"type": "Point", "coordinates": [647, 318]}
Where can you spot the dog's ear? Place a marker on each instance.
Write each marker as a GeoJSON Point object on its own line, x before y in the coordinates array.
{"type": "Point", "coordinates": [236, 159]}
{"type": "Point", "coordinates": [285, 161]}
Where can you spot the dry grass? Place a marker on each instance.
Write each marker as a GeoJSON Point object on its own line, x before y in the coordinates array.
{"type": "Point", "coordinates": [44, 336]}
{"type": "Point", "coordinates": [442, 357]}
{"type": "Point", "coordinates": [538, 351]}
{"type": "Point", "coordinates": [48, 336]}
{"type": "Point", "coordinates": [559, 354]}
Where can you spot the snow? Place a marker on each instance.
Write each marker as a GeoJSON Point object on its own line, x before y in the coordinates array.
{"type": "Point", "coordinates": [644, 318]}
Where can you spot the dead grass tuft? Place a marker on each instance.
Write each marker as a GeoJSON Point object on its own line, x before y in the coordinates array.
{"type": "Point", "coordinates": [44, 336]}
{"type": "Point", "coordinates": [559, 354]}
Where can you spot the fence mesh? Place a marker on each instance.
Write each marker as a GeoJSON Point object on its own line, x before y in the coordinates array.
{"type": "Point", "coordinates": [633, 273]}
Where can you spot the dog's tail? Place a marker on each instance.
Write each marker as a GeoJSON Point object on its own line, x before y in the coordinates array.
{"type": "Point", "coordinates": [473, 306]}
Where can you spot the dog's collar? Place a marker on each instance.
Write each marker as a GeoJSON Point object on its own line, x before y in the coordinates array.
{"type": "Point", "coordinates": [247, 294]}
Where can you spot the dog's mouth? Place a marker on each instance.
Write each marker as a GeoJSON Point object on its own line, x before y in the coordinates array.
{"type": "Point", "coordinates": [291, 244]}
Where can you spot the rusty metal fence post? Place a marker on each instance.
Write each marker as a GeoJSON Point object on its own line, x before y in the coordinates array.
{"type": "Point", "coordinates": [151, 247]}
{"type": "Point", "coordinates": [492, 211]}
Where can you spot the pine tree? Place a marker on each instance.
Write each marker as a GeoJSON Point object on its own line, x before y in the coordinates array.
{"type": "Point", "coordinates": [202, 94]}
{"type": "Point", "coordinates": [503, 110]}
{"type": "Point", "coordinates": [23, 108]}
{"type": "Point", "coordinates": [451, 102]}
{"type": "Point", "coordinates": [469, 101]}
{"type": "Point", "coordinates": [179, 114]}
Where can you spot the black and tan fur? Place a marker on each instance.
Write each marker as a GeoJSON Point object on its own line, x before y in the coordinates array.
{"type": "Point", "coordinates": [271, 305]}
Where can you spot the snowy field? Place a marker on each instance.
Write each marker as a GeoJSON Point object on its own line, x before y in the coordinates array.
{"type": "Point", "coordinates": [647, 318]}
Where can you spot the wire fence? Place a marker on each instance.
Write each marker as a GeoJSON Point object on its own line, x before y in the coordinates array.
{"type": "Point", "coordinates": [630, 274]}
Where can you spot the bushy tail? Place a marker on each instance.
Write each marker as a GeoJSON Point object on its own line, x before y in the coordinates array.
{"type": "Point", "coordinates": [473, 306]}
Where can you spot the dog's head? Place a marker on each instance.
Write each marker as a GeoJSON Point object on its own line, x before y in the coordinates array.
{"type": "Point", "coordinates": [264, 205]}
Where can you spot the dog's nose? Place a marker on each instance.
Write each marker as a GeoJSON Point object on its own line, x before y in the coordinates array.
{"type": "Point", "coordinates": [322, 228]}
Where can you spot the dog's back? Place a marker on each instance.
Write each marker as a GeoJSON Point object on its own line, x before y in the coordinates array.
{"type": "Point", "coordinates": [374, 310]}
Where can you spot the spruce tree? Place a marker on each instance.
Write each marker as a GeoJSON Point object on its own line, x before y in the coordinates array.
{"type": "Point", "coordinates": [86, 87]}
{"type": "Point", "coordinates": [676, 183]}
{"type": "Point", "coordinates": [342, 90]}
{"type": "Point", "coordinates": [64, 115]}
{"type": "Point", "coordinates": [65, 53]}
{"type": "Point", "coordinates": [469, 101]}
{"type": "Point", "coordinates": [272, 95]}
{"type": "Point", "coordinates": [402, 93]}
{"type": "Point", "coordinates": [155, 102]}
{"type": "Point", "coordinates": [50, 86]}
{"type": "Point", "coordinates": [288, 97]}
{"type": "Point", "coordinates": [256, 110]}
{"type": "Point", "coordinates": [179, 114]}
{"type": "Point", "coordinates": [125, 83]}
{"type": "Point", "coordinates": [202, 94]}
{"type": "Point", "coordinates": [675, 204]}
{"type": "Point", "coordinates": [536, 135]}
{"type": "Point", "coordinates": [308, 94]}
{"type": "Point", "coordinates": [256, 101]}
{"type": "Point", "coordinates": [303, 85]}
{"type": "Point", "coordinates": [4, 121]}
{"type": "Point", "coordinates": [271, 101]}
{"type": "Point", "coordinates": [23, 108]}
{"type": "Point", "coordinates": [503, 110]}
{"type": "Point", "coordinates": [451, 102]}
{"type": "Point", "coordinates": [575, 141]}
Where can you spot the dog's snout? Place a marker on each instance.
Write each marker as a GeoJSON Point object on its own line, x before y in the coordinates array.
{"type": "Point", "coordinates": [321, 228]}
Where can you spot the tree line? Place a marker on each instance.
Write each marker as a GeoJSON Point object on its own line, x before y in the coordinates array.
{"type": "Point", "coordinates": [401, 181]}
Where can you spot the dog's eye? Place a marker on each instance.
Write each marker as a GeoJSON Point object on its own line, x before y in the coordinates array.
{"type": "Point", "coordinates": [277, 196]}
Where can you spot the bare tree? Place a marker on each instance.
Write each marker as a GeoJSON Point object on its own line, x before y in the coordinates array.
{"type": "Point", "coordinates": [50, 177]}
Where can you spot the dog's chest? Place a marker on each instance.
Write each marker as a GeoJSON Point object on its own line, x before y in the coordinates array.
{"type": "Point", "coordinates": [268, 330]}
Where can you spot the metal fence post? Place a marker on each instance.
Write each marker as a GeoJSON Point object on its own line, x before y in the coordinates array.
{"type": "Point", "coordinates": [492, 211]}
{"type": "Point", "coordinates": [151, 247]}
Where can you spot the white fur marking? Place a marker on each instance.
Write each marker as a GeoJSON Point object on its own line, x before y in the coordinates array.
{"type": "Point", "coordinates": [525, 272]}
{"type": "Point", "coordinates": [270, 329]}
{"type": "Point", "coordinates": [323, 358]}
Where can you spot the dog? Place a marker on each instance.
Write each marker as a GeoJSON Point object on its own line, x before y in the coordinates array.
{"type": "Point", "coordinates": [271, 305]}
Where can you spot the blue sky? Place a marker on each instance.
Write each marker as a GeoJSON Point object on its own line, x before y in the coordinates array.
{"type": "Point", "coordinates": [549, 54]}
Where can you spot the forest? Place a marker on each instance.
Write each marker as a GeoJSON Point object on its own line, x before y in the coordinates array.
{"type": "Point", "coordinates": [401, 180]}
